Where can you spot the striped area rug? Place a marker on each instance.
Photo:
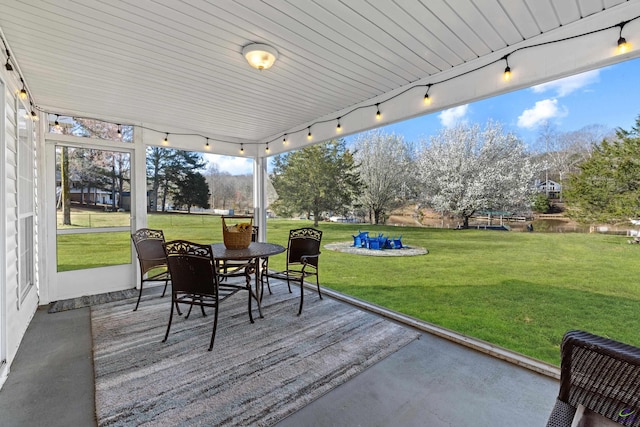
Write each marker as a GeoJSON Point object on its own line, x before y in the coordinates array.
{"type": "Point", "coordinates": [256, 374]}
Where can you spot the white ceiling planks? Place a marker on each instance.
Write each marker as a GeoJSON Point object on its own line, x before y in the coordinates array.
{"type": "Point", "coordinates": [176, 64]}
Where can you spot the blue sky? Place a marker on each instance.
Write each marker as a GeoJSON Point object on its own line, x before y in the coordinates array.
{"type": "Point", "coordinates": [608, 96]}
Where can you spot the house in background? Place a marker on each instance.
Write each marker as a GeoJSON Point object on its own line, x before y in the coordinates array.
{"type": "Point", "coordinates": [551, 188]}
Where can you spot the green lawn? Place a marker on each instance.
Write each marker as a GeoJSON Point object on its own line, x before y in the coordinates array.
{"type": "Point", "coordinates": [518, 290]}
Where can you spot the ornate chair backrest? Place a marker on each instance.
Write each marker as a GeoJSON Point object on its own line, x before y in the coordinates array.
{"type": "Point", "coordinates": [192, 267]}
{"type": "Point", "coordinates": [303, 241]}
{"type": "Point", "coordinates": [148, 243]}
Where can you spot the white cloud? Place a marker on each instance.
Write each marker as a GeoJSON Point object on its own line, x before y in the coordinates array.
{"type": "Point", "coordinates": [569, 84]}
{"type": "Point", "coordinates": [452, 116]}
{"type": "Point", "coordinates": [541, 111]}
{"type": "Point", "coordinates": [233, 165]}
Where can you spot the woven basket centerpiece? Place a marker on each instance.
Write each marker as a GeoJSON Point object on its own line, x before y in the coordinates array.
{"type": "Point", "coordinates": [238, 234]}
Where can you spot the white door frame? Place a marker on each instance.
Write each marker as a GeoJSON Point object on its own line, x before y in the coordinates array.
{"type": "Point", "coordinates": [72, 284]}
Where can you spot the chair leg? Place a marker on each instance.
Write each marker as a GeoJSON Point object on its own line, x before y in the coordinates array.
{"type": "Point", "coordinates": [202, 308]}
{"type": "Point", "coordinates": [215, 326]}
{"type": "Point", "coordinates": [166, 283]}
{"type": "Point", "coordinates": [263, 273]}
{"type": "Point", "coordinates": [301, 296]}
{"type": "Point", "coordinates": [166, 335]}
{"type": "Point", "coordinates": [139, 296]}
{"type": "Point", "coordinates": [248, 286]}
{"type": "Point", "coordinates": [318, 285]}
{"type": "Point", "coordinates": [288, 283]}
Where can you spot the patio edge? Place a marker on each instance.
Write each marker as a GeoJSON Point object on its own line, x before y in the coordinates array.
{"type": "Point", "coordinates": [474, 343]}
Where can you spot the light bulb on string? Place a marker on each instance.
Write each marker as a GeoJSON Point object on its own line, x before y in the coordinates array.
{"type": "Point", "coordinates": [507, 70]}
{"type": "Point", "coordinates": [119, 131]}
{"type": "Point", "coordinates": [623, 45]}
{"type": "Point", "coordinates": [33, 115]}
{"type": "Point", "coordinates": [166, 139]}
{"type": "Point", "coordinates": [23, 92]}
{"type": "Point", "coordinates": [284, 139]}
{"type": "Point", "coordinates": [241, 148]}
{"type": "Point", "coordinates": [338, 127]}
{"type": "Point", "coordinates": [309, 136]}
{"type": "Point", "coordinates": [427, 99]}
{"type": "Point", "coordinates": [206, 146]}
{"type": "Point", "coordinates": [56, 123]}
{"type": "Point", "coordinates": [378, 114]}
{"type": "Point", "coordinates": [267, 148]}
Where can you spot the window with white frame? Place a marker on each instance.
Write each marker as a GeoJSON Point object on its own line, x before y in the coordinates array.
{"type": "Point", "coordinates": [25, 202]}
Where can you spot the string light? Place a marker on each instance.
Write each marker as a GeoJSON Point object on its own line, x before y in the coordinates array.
{"type": "Point", "coordinates": [267, 149]}
{"type": "Point", "coordinates": [427, 100]}
{"type": "Point", "coordinates": [119, 131]}
{"type": "Point", "coordinates": [507, 70]}
{"type": "Point", "coordinates": [166, 139]}
{"type": "Point", "coordinates": [23, 92]}
{"type": "Point", "coordinates": [8, 65]}
{"type": "Point", "coordinates": [206, 146]}
{"type": "Point", "coordinates": [56, 124]}
{"type": "Point", "coordinates": [623, 46]}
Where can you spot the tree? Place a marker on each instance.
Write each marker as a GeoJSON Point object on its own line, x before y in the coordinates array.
{"type": "Point", "coordinates": [166, 167]}
{"type": "Point", "coordinates": [465, 169]}
{"type": "Point", "coordinates": [384, 165]}
{"type": "Point", "coordinates": [607, 187]}
{"type": "Point", "coordinates": [316, 179]}
{"type": "Point", "coordinates": [192, 190]}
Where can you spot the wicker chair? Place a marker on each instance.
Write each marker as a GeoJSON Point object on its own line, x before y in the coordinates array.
{"type": "Point", "coordinates": [602, 375]}
{"type": "Point", "coordinates": [151, 257]}
{"type": "Point", "coordinates": [303, 252]}
{"type": "Point", "coordinates": [194, 280]}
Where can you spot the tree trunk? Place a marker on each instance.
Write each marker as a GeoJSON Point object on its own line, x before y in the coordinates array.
{"type": "Point", "coordinates": [66, 196]}
{"type": "Point", "coordinates": [465, 222]}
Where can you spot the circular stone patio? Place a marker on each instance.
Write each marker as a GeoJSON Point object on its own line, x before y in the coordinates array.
{"type": "Point", "coordinates": [348, 247]}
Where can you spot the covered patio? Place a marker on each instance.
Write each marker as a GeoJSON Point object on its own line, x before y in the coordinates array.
{"type": "Point", "coordinates": [175, 72]}
{"type": "Point", "coordinates": [431, 381]}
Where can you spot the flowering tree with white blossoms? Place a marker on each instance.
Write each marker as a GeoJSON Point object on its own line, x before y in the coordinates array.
{"type": "Point", "coordinates": [465, 169]}
{"type": "Point", "coordinates": [384, 165]}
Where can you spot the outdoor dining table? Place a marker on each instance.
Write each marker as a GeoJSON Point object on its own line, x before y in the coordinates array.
{"type": "Point", "coordinates": [249, 258]}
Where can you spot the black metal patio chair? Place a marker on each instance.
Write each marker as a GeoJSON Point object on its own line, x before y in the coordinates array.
{"type": "Point", "coordinates": [151, 257]}
{"type": "Point", "coordinates": [194, 280]}
{"type": "Point", "coordinates": [303, 253]}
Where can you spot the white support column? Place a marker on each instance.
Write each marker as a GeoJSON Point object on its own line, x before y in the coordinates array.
{"type": "Point", "coordinates": [139, 181]}
{"type": "Point", "coordinates": [138, 194]}
{"type": "Point", "coordinates": [260, 196]}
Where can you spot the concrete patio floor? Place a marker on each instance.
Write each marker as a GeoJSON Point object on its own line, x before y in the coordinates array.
{"type": "Point", "coordinates": [430, 382]}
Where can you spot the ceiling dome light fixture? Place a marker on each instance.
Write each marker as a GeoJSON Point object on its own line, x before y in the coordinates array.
{"type": "Point", "coordinates": [260, 56]}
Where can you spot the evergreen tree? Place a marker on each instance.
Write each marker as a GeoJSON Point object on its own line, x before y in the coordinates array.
{"type": "Point", "coordinates": [192, 190]}
{"type": "Point", "coordinates": [607, 187]}
{"type": "Point", "coordinates": [316, 179]}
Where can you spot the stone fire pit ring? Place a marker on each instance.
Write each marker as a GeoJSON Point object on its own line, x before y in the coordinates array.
{"type": "Point", "coordinates": [347, 247]}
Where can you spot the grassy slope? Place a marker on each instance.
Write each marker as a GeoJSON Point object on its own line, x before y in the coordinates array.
{"type": "Point", "coordinates": [518, 290]}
